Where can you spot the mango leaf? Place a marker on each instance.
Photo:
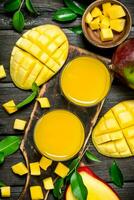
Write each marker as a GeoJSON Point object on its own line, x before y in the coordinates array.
{"type": "Point", "coordinates": [30, 98]}
{"type": "Point", "coordinates": [18, 21]}
{"type": "Point", "coordinates": [12, 5]}
{"type": "Point", "coordinates": [64, 15]}
{"type": "Point", "coordinates": [77, 29]}
{"type": "Point", "coordinates": [57, 191]}
{"type": "Point", "coordinates": [30, 7]}
{"type": "Point", "coordinates": [116, 175]}
{"type": "Point", "coordinates": [9, 145]}
{"type": "Point", "coordinates": [2, 184]}
{"type": "Point", "coordinates": [73, 165]}
{"type": "Point", "coordinates": [92, 157]}
{"type": "Point", "coordinates": [75, 6]}
{"type": "Point", "coordinates": [79, 190]}
{"type": "Point", "coordinates": [1, 157]}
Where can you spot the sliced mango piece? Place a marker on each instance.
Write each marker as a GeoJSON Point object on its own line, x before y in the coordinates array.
{"type": "Point", "coordinates": [117, 24]}
{"type": "Point", "coordinates": [10, 106]}
{"type": "Point", "coordinates": [95, 24]}
{"type": "Point", "coordinates": [19, 124]}
{"type": "Point", "coordinates": [106, 34]}
{"type": "Point", "coordinates": [102, 17]}
{"type": "Point", "coordinates": [6, 191]}
{"type": "Point", "coordinates": [105, 23]}
{"type": "Point", "coordinates": [45, 163]}
{"type": "Point", "coordinates": [36, 193]}
{"type": "Point", "coordinates": [20, 169]}
{"type": "Point", "coordinates": [48, 183]}
{"type": "Point", "coordinates": [96, 12]}
{"type": "Point", "coordinates": [106, 7]}
{"type": "Point", "coordinates": [35, 169]}
{"type": "Point", "coordinates": [116, 11]}
{"type": "Point", "coordinates": [117, 138]}
{"type": "Point", "coordinates": [2, 72]}
{"type": "Point", "coordinates": [61, 170]}
{"type": "Point", "coordinates": [44, 102]}
{"type": "Point", "coordinates": [38, 55]}
{"type": "Point", "coordinates": [89, 18]}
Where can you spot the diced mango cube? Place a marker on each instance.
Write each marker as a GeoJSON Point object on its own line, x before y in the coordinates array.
{"type": "Point", "coordinates": [10, 107]}
{"type": "Point", "coordinates": [101, 17]}
{"type": "Point", "coordinates": [45, 163]}
{"type": "Point", "coordinates": [5, 191]}
{"type": "Point", "coordinates": [96, 12]}
{"type": "Point", "coordinates": [2, 72]}
{"type": "Point", "coordinates": [89, 18]}
{"type": "Point", "coordinates": [106, 34]}
{"type": "Point", "coordinates": [95, 24]}
{"type": "Point", "coordinates": [44, 102]}
{"type": "Point", "coordinates": [19, 169]}
{"type": "Point", "coordinates": [36, 193]}
{"type": "Point", "coordinates": [19, 124]}
{"type": "Point", "coordinates": [61, 170]}
{"type": "Point", "coordinates": [105, 23]}
{"type": "Point", "coordinates": [106, 7]}
{"type": "Point", "coordinates": [48, 183]}
{"type": "Point", "coordinates": [117, 24]}
{"type": "Point", "coordinates": [116, 11]}
{"type": "Point", "coordinates": [35, 169]}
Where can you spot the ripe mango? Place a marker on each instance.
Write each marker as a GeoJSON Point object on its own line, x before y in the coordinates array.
{"type": "Point", "coordinates": [113, 136]}
{"type": "Point", "coordinates": [116, 12]}
{"type": "Point", "coordinates": [61, 170]}
{"type": "Point", "coordinates": [38, 55]}
{"type": "Point", "coordinates": [117, 24]}
{"type": "Point", "coordinates": [106, 34]}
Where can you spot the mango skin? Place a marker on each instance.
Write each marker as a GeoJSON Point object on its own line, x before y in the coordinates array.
{"type": "Point", "coordinates": [113, 135]}
{"type": "Point", "coordinates": [38, 55]}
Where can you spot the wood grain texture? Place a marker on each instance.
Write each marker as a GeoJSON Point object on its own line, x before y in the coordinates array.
{"type": "Point", "coordinates": [8, 91]}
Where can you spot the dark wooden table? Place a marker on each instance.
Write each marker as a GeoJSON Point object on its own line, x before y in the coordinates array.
{"type": "Point", "coordinates": [8, 91]}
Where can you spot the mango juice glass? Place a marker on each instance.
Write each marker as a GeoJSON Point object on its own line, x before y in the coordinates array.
{"type": "Point", "coordinates": [85, 81]}
{"type": "Point", "coordinates": [59, 135]}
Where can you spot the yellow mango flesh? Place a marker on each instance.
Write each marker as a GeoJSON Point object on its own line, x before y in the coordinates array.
{"type": "Point", "coordinates": [20, 169]}
{"type": "Point", "coordinates": [117, 24]}
{"type": "Point", "coordinates": [2, 72]}
{"type": "Point", "coordinates": [113, 136]}
{"type": "Point", "coordinates": [38, 55]}
{"type": "Point", "coordinates": [5, 191]}
{"type": "Point", "coordinates": [61, 170]}
{"type": "Point", "coordinates": [116, 11]}
{"type": "Point", "coordinates": [36, 193]}
{"type": "Point", "coordinates": [48, 183]}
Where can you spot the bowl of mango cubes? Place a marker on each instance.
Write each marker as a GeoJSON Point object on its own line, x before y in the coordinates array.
{"type": "Point", "coordinates": [106, 24]}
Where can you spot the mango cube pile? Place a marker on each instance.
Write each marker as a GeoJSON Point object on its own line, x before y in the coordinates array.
{"type": "Point", "coordinates": [2, 72]}
{"type": "Point", "coordinates": [38, 55]}
{"type": "Point", "coordinates": [107, 19]}
{"type": "Point", "coordinates": [19, 124]}
{"type": "Point", "coordinates": [5, 191]}
{"type": "Point", "coordinates": [113, 136]}
{"type": "Point", "coordinates": [20, 169]}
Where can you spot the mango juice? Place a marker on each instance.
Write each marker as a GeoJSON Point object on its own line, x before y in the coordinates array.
{"type": "Point", "coordinates": [85, 81]}
{"type": "Point", "coordinates": [59, 135]}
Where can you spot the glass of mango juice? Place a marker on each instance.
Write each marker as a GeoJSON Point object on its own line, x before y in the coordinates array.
{"type": "Point", "coordinates": [85, 81]}
{"type": "Point", "coordinates": [59, 135]}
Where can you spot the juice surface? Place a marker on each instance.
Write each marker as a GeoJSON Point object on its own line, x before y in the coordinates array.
{"type": "Point", "coordinates": [85, 81]}
{"type": "Point", "coordinates": [59, 135]}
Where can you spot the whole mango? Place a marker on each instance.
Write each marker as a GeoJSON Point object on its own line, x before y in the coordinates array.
{"type": "Point", "coordinates": [113, 136]}
{"type": "Point", "coordinates": [123, 62]}
{"type": "Point", "coordinates": [38, 55]}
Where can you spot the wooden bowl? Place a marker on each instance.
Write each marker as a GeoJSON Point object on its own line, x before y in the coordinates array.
{"type": "Point", "coordinates": [94, 36]}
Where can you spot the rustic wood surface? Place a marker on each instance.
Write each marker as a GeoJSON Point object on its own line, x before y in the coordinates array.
{"type": "Point", "coordinates": [8, 91]}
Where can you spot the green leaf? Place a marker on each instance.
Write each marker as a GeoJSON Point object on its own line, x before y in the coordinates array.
{"type": "Point", "coordinates": [9, 145]}
{"type": "Point", "coordinates": [29, 99]}
{"type": "Point", "coordinates": [78, 188]}
{"type": "Point", "coordinates": [77, 29]}
{"type": "Point", "coordinates": [73, 165]}
{"type": "Point", "coordinates": [64, 15]}
{"type": "Point", "coordinates": [75, 6]}
{"type": "Point", "coordinates": [92, 157]}
{"type": "Point", "coordinates": [18, 21]}
{"type": "Point", "coordinates": [2, 184]}
{"type": "Point", "coordinates": [1, 157]}
{"type": "Point", "coordinates": [116, 175]}
{"type": "Point", "coordinates": [30, 7]}
{"type": "Point", "coordinates": [12, 5]}
{"type": "Point", "coordinates": [57, 191]}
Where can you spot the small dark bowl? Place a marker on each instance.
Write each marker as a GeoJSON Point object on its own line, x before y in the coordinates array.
{"type": "Point", "coordinates": [94, 36]}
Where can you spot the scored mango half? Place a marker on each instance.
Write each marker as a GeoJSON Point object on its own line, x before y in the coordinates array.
{"type": "Point", "coordinates": [38, 55]}
{"type": "Point", "coordinates": [113, 136]}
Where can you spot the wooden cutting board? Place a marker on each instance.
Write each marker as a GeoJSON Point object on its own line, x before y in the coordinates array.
{"type": "Point", "coordinates": [52, 90]}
